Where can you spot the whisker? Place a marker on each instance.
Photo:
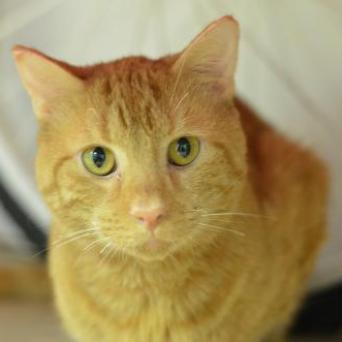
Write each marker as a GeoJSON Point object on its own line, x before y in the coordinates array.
{"type": "Point", "coordinates": [242, 214]}
{"type": "Point", "coordinates": [221, 229]}
{"type": "Point", "coordinates": [177, 81]}
{"type": "Point", "coordinates": [180, 101]}
{"type": "Point", "coordinates": [93, 244]}
{"type": "Point", "coordinates": [81, 231]}
{"type": "Point", "coordinates": [102, 259]}
{"type": "Point", "coordinates": [68, 239]}
{"type": "Point", "coordinates": [89, 247]}
{"type": "Point", "coordinates": [75, 234]}
{"type": "Point", "coordinates": [110, 253]}
{"type": "Point", "coordinates": [219, 220]}
{"type": "Point", "coordinates": [105, 247]}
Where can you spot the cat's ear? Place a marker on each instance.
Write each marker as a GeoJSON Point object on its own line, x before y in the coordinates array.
{"type": "Point", "coordinates": [44, 78]}
{"type": "Point", "coordinates": [210, 59]}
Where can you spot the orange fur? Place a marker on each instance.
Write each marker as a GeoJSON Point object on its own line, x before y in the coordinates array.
{"type": "Point", "coordinates": [242, 223]}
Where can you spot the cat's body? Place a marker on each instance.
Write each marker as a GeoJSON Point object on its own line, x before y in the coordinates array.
{"type": "Point", "coordinates": [236, 231]}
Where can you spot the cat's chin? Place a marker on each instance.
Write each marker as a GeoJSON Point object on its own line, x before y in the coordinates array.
{"type": "Point", "coordinates": [152, 250]}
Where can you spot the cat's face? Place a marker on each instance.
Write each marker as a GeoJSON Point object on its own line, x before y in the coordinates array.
{"type": "Point", "coordinates": [142, 153]}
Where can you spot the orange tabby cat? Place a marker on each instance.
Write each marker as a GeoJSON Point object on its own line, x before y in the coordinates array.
{"type": "Point", "coordinates": [178, 215]}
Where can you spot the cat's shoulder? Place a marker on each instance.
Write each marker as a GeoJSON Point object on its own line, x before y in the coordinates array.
{"type": "Point", "coordinates": [275, 161]}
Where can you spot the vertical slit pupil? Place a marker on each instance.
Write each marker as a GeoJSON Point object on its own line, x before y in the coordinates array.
{"type": "Point", "coordinates": [98, 156]}
{"type": "Point", "coordinates": [183, 147]}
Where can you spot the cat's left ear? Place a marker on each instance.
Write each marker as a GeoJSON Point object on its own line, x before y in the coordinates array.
{"type": "Point", "coordinates": [210, 59]}
{"type": "Point", "coordinates": [45, 78]}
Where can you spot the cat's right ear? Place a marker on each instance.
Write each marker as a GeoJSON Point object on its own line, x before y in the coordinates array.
{"type": "Point", "coordinates": [209, 61]}
{"type": "Point", "coordinates": [44, 78]}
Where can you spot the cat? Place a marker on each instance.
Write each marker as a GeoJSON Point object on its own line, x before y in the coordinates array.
{"type": "Point", "coordinates": [178, 214]}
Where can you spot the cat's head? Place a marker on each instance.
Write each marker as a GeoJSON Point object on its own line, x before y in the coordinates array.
{"type": "Point", "coordinates": [140, 154]}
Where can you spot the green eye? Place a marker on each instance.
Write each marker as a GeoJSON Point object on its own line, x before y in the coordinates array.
{"type": "Point", "coordinates": [183, 151]}
{"type": "Point", "coordinates": [99, 161]}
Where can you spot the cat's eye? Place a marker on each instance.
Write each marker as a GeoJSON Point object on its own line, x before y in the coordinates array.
{"type": "Point", "coordinates": [99, 160]}
{"type": "Point", "coordinates": [183, 151]}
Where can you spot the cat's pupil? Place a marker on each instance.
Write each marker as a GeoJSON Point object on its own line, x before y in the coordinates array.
{"type": "Point", "coordinates": [98, 156]}
{"type": "Point", "coordinates": [183, 147]}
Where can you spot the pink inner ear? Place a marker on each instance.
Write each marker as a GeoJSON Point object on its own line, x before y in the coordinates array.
{"type": "Point", "coordinates": [213, 68]}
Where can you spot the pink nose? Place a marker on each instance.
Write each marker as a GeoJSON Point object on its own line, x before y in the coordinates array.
{"type": "Point", "coordinates": [149, 217]}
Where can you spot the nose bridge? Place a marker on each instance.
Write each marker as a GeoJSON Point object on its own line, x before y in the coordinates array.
{"type": "Point", "coordinates": [144, 177]}
{"type": "Point", "coordinates": [144, 184]}
{"type": "Point", "coordinates": [147, 189]}
{"type": "Point", "coordinates": [147, 203]}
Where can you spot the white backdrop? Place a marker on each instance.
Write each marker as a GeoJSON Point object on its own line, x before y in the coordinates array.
{"type": "Point", "coordinates": [289, 70]}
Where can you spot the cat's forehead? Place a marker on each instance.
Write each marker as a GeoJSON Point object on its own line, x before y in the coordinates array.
{"type": "Point", "coordinates": [138, 97]}
{"type": "Point", "coordinates": [135, 79]}
{"type": "Point", "coordinates": [135, 94]}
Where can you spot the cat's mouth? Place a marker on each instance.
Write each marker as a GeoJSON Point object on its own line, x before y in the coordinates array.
{"type": "Point", "coordinates": [154, 244]}
{"type": "Point", "coordinates": [153, 248]}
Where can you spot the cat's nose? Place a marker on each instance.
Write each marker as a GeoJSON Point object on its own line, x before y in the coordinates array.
{"type": "Point", "coordinates": [149, 217]}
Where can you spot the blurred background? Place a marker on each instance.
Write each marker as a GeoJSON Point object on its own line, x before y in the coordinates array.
{"type": "Point", "coordinates": [289, 72]}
